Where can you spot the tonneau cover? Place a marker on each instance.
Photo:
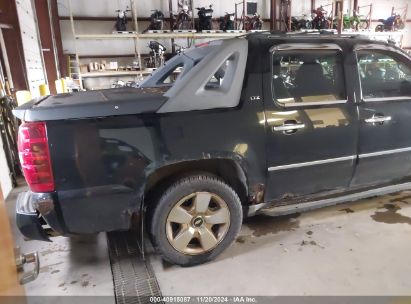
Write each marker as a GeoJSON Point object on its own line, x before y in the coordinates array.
{"type": "Point", "coordinates": [101, 103]}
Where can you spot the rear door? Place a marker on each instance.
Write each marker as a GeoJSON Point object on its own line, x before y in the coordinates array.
{"type": "Point", "coordinates": [311, 121]}
{"type": "Point", "coordinates": [385, 115]}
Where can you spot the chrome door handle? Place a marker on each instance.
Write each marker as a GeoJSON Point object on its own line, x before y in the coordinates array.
{"type": "Point", "coordinates": [289, 128]}
{"type": "Point", "coordinates": [378, 119]}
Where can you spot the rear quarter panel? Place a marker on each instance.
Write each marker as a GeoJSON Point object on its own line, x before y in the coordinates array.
{"type": "Point", "coordinates": [101, 165]}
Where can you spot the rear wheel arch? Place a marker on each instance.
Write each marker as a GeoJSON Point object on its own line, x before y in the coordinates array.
{"type": "Point", "coordinates": [229, 170]}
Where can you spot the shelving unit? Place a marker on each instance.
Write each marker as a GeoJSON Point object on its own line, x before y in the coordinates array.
{"type": "Point", "coordinates": [73, 67]}
{"type": "Point", "coordinates": [172, 35]}
{"type": "Point", "coordinates": [136, 36]}
{"type": "Point", "coordinates": [115, 73]}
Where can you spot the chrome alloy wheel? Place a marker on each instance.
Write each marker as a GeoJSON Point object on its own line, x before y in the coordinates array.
{"type": "Point", "coordinates": [197, 223]}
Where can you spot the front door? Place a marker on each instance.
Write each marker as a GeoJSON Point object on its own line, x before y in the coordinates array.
{"type": "Point", "coordinates": [311, 121]}
{"type": "Point", "coordinates": [385, 116]}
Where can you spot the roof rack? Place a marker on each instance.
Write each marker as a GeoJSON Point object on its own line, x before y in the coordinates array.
{"type": "Point", "coordinates": [296, 33]}
{"type": "Point", "coordinates": [320, 33]}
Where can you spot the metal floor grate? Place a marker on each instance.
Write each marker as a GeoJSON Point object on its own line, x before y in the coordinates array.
{"type": "Point", "coordinates": [133, 277]}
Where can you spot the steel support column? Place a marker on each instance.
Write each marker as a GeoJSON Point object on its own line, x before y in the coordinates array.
{"type": "Point", "coordinates": [355, 5]}
{"type": "Point", "coordinates": [273, 15]}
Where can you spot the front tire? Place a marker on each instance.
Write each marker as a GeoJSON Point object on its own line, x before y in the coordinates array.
{"type": "Point", "coordinates": [195, 220]}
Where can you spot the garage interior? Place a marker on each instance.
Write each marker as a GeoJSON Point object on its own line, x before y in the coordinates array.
{"type": "Point", "coordinates": [358, 248]}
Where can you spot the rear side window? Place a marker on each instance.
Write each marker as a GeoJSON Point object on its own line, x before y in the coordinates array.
{"type": "Point", "coordinates": [176, 68]}
{"type": "Point", "coordinates": [222, 78]}
{"type": "Point", "coordinates": [308, 76]}
{"type": "Point", "coordinates": [383, 74]}
{"type": "Point", "coordinates": [172, 75]}
{"type": "Point", "coordinates": [217, 78]}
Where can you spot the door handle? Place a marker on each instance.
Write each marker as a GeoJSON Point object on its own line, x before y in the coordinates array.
{"type": "Point", "coordinates": [289, 128]}
{"type": "Point", "coordinates": [378, 119]}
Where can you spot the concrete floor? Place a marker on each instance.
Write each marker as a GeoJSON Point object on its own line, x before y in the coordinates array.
{"type": "Point", "coordinates": [359, 248]}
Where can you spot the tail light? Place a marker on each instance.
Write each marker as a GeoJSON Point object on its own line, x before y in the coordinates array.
{"type": "Point", "coordinates": [34, 156]}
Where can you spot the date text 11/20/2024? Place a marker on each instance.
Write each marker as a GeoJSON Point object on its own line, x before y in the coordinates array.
{"type": "Point", "coordinates": [204, 299]}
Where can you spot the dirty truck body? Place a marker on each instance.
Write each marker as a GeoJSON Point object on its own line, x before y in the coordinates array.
{"type": "Point", "coordinates": [228, 118]}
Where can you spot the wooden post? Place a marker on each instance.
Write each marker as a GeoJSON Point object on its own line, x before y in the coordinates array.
{"type": "Point", "coordinates": [136, 38]}
{"type": "Point", "coordinates": [273, 15]}
{"type": "Point", "coordinates": [370, 18]}
{"type": "Point", "coordinates": [243, 15]}
{"type": "Point", "coordinates": [340, 8]}
{"type": "Point", "coordinates": [192, 12]}
{"type": "Point", "coordinates": [9, 280]}
{"type": "Point", "coordinates": [170, 8]}
{"type": "Point", "coordinates": [355, 6]}
{"type": "Point", "coordinates": [235, 17]}
{"type": "Point", "coordinates": [289, 16]}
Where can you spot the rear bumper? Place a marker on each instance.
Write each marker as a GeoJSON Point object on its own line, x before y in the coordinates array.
{"type": "Point", "coordinates": [28, 220]}
{"type": "Point", "coordinates": [34, 213]}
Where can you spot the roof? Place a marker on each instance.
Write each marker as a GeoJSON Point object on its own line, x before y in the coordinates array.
{"type": "Point", "coordinates": [311, 34]}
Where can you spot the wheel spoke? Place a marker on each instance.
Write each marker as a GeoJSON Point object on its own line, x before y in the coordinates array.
{"type": "Point", "coordinates": [202, 201]}
{"type": "Point", "coordinates": [207, 238]}
{"type": "Point", "coordinates": [183, 238]}
{"type": "Point", "coordinates": [221, 216]}
{"type": "Point", "coordinates": [180, 215]}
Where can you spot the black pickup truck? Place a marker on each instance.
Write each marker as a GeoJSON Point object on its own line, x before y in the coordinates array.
{"type": "Point", "coordinates": [271, 123]}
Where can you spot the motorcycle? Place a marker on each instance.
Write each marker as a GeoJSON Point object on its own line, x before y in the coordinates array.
{"type": "Point", "coordinates": [156, 21]}
{"type": "Point", "coordinates": [121, 84]}
{"type": "Point", "coordinates": [121, 22]}
{"type": "Point", "coordinates": [253, 23]}
{"type": "Point", "coordinates": [156, 58]}
{"type": "Point", "coordinates": [183, 21]}
{"type": "Point", "coordinates": [304, 22]}
{"type": "Point", "coordinates": [393, 23]}
{"type": "Point", "coordinates": [320, 20]}
{"type": "Point", "coordinates": [179, 48]}
{"type": "Point", "coordinates": [227, 22]}
{"type": "Point", "coordinates": [355, 22]}
{"type": "Point", "coordinates": [205, 16]}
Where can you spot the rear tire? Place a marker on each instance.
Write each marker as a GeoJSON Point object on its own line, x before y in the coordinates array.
{"type": "Point", "coordinates": [195, 220]}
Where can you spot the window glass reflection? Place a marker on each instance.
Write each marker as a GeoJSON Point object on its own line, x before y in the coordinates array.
{"type": "Point", "coordinates": [308, 76]}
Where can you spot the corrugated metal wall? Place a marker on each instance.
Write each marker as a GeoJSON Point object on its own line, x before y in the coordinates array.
{"type": "Point", "coordinates": [31, 47]}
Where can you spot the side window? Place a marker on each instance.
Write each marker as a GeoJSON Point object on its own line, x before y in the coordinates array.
{"type": "Point", "coordinates": [309, 76]}
{"type": "Point", "coordinates": [171, 77]}
{"type": "Point", "coordinates": [222, 78]}
{"type": "Point", "coordinates": [383, 74]}
{"type": "Point", "coordinates": [217, 78]}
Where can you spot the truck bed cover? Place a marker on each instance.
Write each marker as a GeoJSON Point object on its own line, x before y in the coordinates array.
{"type": "Point", "coordinates": [101, 103]}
